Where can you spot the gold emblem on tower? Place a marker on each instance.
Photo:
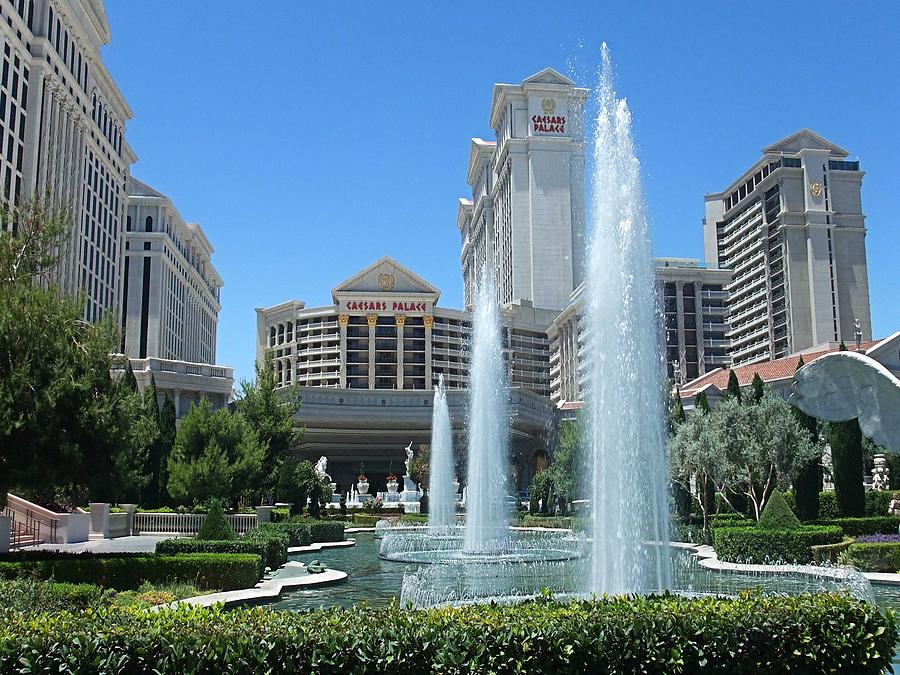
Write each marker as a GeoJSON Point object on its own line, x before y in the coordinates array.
{"type": "Point", "coordinates": [343, 320]}
{"type": "Point", "coordinates": [548, 105]}
{"type": "Point", "coordinates": [386, 282]}
{"type": "Point", "coordinates": [815, 189]}
{"type": "Point", "coordinates": [371, 319]}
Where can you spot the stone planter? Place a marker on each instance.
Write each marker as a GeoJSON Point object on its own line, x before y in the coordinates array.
{"type": "Point", "coordinates": [362, 487]}
{"type": "Point", "coordinates": [264, 514]}
{"type": "Point", "coordinates": [100, 519]}
{"type": "Point", "coordinates": [392, 487]}
{"type": "Point", "coordinates": [130, 510]}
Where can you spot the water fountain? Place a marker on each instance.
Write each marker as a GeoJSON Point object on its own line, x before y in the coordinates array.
{"type": "Point", "coordinates": [625, 472]}
{"type": "Point", "coordinates": [441, 495]}
{"type": "Point", "coordinates": [625, 463]}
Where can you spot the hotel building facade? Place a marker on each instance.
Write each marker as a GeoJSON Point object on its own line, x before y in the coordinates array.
{"type": "Point", "coordinates": [693, 303]}
{"type": "Point", "coordinates": [62, 132]}
{"type": "Point", "coordinates": [792, 231]}
{"type": "Point", "coordinates": [526, 212]}
{"type": "Point", "coordinates": [170, 303]}
{"type": "Point", "coordinates": [366, 367]}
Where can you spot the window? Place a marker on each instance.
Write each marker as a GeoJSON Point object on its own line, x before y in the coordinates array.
{"type": "Point", "coordinates": [128, 223]}
{"type": "Point", "coordinates": [148, 224]}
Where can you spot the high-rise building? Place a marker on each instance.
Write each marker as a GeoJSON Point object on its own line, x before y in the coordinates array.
{"type": "Point", "coordinates": [62, 129]}
{"type": "Point", "coordinates": [792, 231]}
{"type": "Point", "coordinates": [693, 301]}
{"type": "Point", "coordinates": [170, 302]}
{"type": "Point", "coordinates": [526, 214]}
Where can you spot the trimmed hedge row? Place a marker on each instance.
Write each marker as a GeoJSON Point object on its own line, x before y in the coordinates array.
{"type": "Point", "coordinates": [323, 530]}
{"type": "Point", "coordinates": [876, 557]}
{"type": "Point", "coordinates": [557, 522]}
{"type": "Point", "coordinates": [183, 545]}
{"type": "Point", "coordinates": [764, 546]}
{"type": "Point", "coordinates": [828, 553]}
{"type": "Point", "coordinates": [30, 595]}
{"type": "Point", "coordinates": [219, 571]}
{"type": "Point", "coordinates": [365, 519]}
{"type": "Point", "coordinates": [854, 527]}
{"type": "Point", "coordinates": [822, 633]}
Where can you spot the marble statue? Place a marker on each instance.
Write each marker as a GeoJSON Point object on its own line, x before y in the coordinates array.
{"type": "Point", "coordinates": [322, 466]}
{"type": "Point", "coordinates": [845, 385]}
{"type": "Point", "coordinates": [409, 456]}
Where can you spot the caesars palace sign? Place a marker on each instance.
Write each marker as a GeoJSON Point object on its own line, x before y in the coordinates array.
{"type": "Point", "coordinates": [385, 305]}
{"type": "Point", "coordinates": [548, 123]}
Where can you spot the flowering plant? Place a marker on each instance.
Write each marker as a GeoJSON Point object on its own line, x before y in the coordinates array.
{"type": "Point", "coordinates": [878, 539]}
{"type": "Point", "coordinates": [391, 477]}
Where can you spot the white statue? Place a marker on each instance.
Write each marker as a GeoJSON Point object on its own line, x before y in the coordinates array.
{"type": "Point", "coordinates": [842, 386]}
{"type": "Point", "coordinates": [322, 466]}
{"type": "Point", "coordinates": [409, 456]}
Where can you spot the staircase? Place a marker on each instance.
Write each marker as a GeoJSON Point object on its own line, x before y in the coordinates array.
{"type": "Point", "coordinates": [31, 524]}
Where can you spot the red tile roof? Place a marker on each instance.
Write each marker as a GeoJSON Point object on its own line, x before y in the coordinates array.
{"type": "Point", "coordinates": [769, 371]}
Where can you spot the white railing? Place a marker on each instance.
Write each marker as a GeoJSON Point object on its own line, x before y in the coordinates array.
{"type": "Point", "coordinates": [186, 523]}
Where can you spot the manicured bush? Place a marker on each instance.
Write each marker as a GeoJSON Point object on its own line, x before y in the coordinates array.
{"type": "Point", "coordinates": [854, 527]}
{"type": "Point", "coordinates": [276, 543]}
{"type": "Point", "coordinates": [220, 571]}
{"type": "Point", "coordinates": [845, 440]}
{"type": "Point", "coordinates": [659, 634]}
{"type": "Point", "coordinates": [324, 530]}
{"type": "Point", "coordinates": [182, 545]}
{"type": "Point", "coordinates": [760, 545]}
{"type": "Point", "coordinates": [877, 502]}
{"type": "Point", "coordinates": [828, 553]}
{"type": "Point", "coordinates": [721, 518]}
{"type": "Point", "coordinates": [828, 505]}
{"type": "Point", "coordinates": [777, 515]}
{"type": "Point", "coordinates": [557, 522]}
{"type": "Point", "coordinates": [690, 534]}
{"type": "Point", "coordinates": [215, 526]}
{"type": "Point", "coordinates": [31, 595]}
{"type": "Point", "coordinates": [364, 520]}
{"type": "Point", "coordinates": [876, 557]}
{"type": "Point", "coordinates": [414, 518]}
{"type": "Point", "coordinates": [298, 533]}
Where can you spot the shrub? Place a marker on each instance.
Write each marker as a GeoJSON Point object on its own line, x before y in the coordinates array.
{"type": "Point", "coordinates": [690, 534]}
{"type": "Point", "coordinates": [760, 545]}
{"type": "Point", "coordinates": [875, 557]}
{"type": "Point", "coordinates": [828, 505]}
{"type": "Point", "coordinates": [281, 515]}
{"type": "Point", "coordinates": [829, 553]}
{"type": "Point", "coordinates": [31, 595]}
{"type": "Point", "coordinates": [777, 515]}
{"type": "Point", "coordinates": [183, 545]}
{"type": "Point", "coordinates": [364, 520]}
{"type": "Point", "coordinates": [559, 522]}
{"type": "Point", "coordinates": [721, 518]}
{"type": "Point", "coordinates": [218, 571]}
{"type": "Point", "coordinates": [771, 634]}
{"type": "Point", "coordinates": [414, 518]}
{"type": "Point", "coordinates": [854, 527]}
{"type": "Point", "coordinates": [276, 543]}
{"type": "Point", "coordinates": [324, 530]}
{"type": "Point", "coordinates": [877, 502]}
{"type": "Point", "coordinates": [215, 526]}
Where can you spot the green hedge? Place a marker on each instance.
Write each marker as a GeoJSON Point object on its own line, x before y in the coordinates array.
{"type": "Point", "coordinates": [757, 634]}
{"type": "Point", "coordinates": [183, 545]}
{"type": "Point", "coordinates": [324, 530]}
{"type": "Point", "coordinates": [877, 502]}
{"type": "Point", "coordinates": [558, 522]}
{"type": "Point", "coordinates": [883, 557]}
{"type": "Point", "coordinates": [758, 545]}
{"type": "Point", "coordinates": [365, 519]}
{"type": "Point", "coordinates": [414, 518]}
{"type": "Point", "coordinates": [855, 527]}
{"type": "Point", "coordinates": [219, 571]}
{"type": "Point", "coordinates": [828, 505]}
{"type": "Point", "coordinates": [31, 595]}
{"type": "Point", "coordinates": [828, 553]}
{"type": "Point", "coordinates": [298, 533]}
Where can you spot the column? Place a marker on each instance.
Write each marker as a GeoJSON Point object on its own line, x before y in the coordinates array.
{"type": "Point", "coordinates": [701, 333]}
{"type": "Point", "coordinates": [372, 320]}
{"type": "Point", "coordinates": [428, 321]}
{"type": "Point", "coordinates": [177, 404]}
{"type": "Point", "coordinates": [400, 320]}
{"type": "Point", "coordinates": [679, 315]}
{"type": "Point", "coordinates": [343, 320]}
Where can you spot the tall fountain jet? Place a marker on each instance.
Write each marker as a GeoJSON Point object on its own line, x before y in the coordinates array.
{"type": "Point", "coordinates": [486, 522]}
{"type": "Point", "coordinates": [625, 458]}
{"type": "Point", "coordinates": [441, 495]}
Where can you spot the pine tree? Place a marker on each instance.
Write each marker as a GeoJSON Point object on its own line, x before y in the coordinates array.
{"type": "Point", "coordinates": [734, 388]}
{"type": "Point", "coordinates": [150, 495]}
{"type": "Point", "coordinates": [845, 439]}
{"type": "Point", "coordinates": [808, 483]}
{"type": "Point", "coordinates": [701, 405]}
{"type": "Point", "coordinates": [128, 379]}
{"type": "Point", "coordinates": [757, 388]}
{"type": "Point", "coordinates": [167, 433]}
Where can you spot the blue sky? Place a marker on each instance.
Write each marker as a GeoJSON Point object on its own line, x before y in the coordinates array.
{"type": "Point", "coordinates": [310, 139]}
